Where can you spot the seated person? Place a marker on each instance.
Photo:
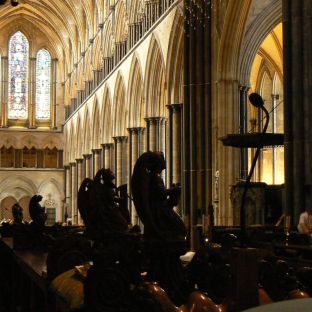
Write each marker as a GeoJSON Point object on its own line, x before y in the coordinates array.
{"type": "Point", "coordinates": [305, 222]}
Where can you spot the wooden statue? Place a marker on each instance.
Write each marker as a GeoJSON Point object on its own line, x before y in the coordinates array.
{"type": "Point", "coordinates": [37, 213]}
{"type": "Point", "coordinates": [153, 201]}
{"type": "Point", "coordinates": [17, 212]}
{"type": "Point", "coordinates": [97, 204]}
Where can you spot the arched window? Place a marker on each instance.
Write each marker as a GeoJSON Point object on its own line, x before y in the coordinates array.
{"type": "Point", "coordinates": [18, 77]}
{"type": "Point", "coordinates": [43, 85]}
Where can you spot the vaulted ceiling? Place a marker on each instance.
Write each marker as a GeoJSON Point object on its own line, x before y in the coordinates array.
{"type": "Point", "coordinates": [62, 21]}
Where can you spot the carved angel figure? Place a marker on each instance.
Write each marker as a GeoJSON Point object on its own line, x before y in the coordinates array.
{"type": "Point", "coordinates": [97, 204]}
{"type": "Point", "coordinates": [153, 201]}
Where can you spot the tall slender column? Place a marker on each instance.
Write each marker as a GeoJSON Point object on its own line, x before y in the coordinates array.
{"type": "Point", "coordinates": [297, 51]}
{"type": "Point", "coordinates": [156, 130]}
{"type": "Point", "coordinates": [87, 165]}
{"type": "Point", "coordinates": [53, 94]}
{"type": "Point", "coordinates": [135, 149]}
{"type": "Point", "coordinates": [175, 120]}
{"type": "Point", "coordinates": [67, 204]}
{"type": "Point", "coordinates": [120, 159]}
{"type": "Point", "coordinates": [96, 160]}
{"type": "Point", "coordinates": [151, 123]}
{"type": "Point", "coordinates": [79, 163]}
{"type": "Point", "coordinates": [107, 156]}
{"type": "Point", "coordinates": [161, 134]}
{"type": "Point", "coordinates": [74, 214]}
{"type": "Point", "coordinates": [4, 91]}
{"type": "Point", "coordinates": [197, 120]}
{"type": "Point", "coordinates": [32, 93]}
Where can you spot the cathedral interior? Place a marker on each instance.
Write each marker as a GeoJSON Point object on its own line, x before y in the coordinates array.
{"type": "Point", "coordinates": [92, 84]}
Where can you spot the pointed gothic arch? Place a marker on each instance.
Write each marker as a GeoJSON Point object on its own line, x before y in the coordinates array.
{"type": "Point", "coordinates": [96, 128]}
{"type": "Point", "coordinates": [154, 84]}
{"type": "Point", "coordinates": [18, 72]}
{"type": "Point", "coordinates": [120, 107]}
{"type": "Point", "coordinates": [135, 95]}
{"type": "Point", "coordinates": [106, 117]}
{"type": "Point", "coordinates": [86, 134]}
{"type": "Point", "coordinates": [175, 60]}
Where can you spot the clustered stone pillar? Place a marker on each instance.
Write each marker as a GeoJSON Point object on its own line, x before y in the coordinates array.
{"type": "Point", "coordinates": [156, 137]}
{"type": "Point", "coordinates": [107, 156]}
{"type": "Point", "coordinates": [32, 99]}
{"type": "Point", "coordinates": [67, 204]}
{"type": "Point", "coordinates": [74, 214]}
{"type": "Point", "coordinates": [197, 119]}
{"type": "Point", "coordinates": [79, 163]}
{"type": "Point", "coordinates": [135, 150]}
{"type": "Point", "coordinates": [297, 51]}
{"type": "Point", "coordinates": [156, 133]}
{"type": "Point", "coordinates": [4, 91]}
{"type": "Point", "coordinates": [96, 160]}
{"type": "Point", "coordinates": [120, 157]}
{"type": "Point", "coordinates": [87, 165]}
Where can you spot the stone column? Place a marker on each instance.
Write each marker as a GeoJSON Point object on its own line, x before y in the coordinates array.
{"type": "Point", "coordinates": [175, 120]}
{"type": "Point", "coordinates": [120, 158]}
{"type": "Point", "coordinates": [96, 160]}
{"type": "Point", "coordinates": [87, 165]}
{"type": "Point", "coordinates": [67, 204]}
{"type": "Point", "coordinates": [197, 119]}
{"type": "Point", "coordinates": [135, 150]}
{"type": "Point", "coordinates": [107, 156]}
{"type": "Point", "coordinates": [32, 93]}
{"type": "Point", "coordinates": [96, 77]}
{"type": "Point", "coordinates": [4, 92]}
{"type": "Point", "coordinates": [156, 131]}
{"type": "Point", "coordinates": [161, 134]}
{"type": "Point", "coordinates": [297, 50]}
{"type": "Point", "coordinates": [151, 123]}
{"type": "Point", "coordinates": [79, 163]}
{"type": "Point", "coordinates": [74, 214]}
{"type": "Point", "coordinates": [53, 93]}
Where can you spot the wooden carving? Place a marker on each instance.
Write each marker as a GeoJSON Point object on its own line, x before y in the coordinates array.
{"type": "Point", "coordinates": [17, 212]}
{"type": "Point", "coordinates": [98, 206]}
{"type": "Point", "coordinates": [153, 201]}
{"type": "Point", "coordinates": [37, 213]}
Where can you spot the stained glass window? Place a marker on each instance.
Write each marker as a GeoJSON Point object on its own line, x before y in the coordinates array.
{"type": "Point", "coordinates": [18, 77]}
{"type": "Point", "coordinates": [43, 82]}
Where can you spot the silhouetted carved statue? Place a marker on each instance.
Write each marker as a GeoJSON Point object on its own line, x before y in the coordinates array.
{"type": "Point", "coordinates": [20, 234]}
{"type": "Point", "coordinates": [17, 212]}
{"type": "Point", "coordinates": [153, 202]}
{"type": "Point", "coordinates": [97, 204]}
{"type": "Point", "coordinates": [107, 286]}
{"type": "Point", "coordinates": [36, 212]}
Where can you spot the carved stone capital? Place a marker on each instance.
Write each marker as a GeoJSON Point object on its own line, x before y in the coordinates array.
{"type": "Point", "coordinates": [120, 139]}
{"type": "Point", "coordinates": [107, 145]}
{"type": "Point", "coordinates": [175, 108]}
{"type": "Point", "coordinates": [135, 129]}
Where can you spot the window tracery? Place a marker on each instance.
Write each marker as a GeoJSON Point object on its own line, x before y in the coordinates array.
{"type": "Point", "coordinates": [18, 77]}
{"type": "Point", "coordinates": [43, 85]}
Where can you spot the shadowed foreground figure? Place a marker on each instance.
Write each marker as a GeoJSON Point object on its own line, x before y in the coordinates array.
{"type": "Point", "coordinates": [17, 212]}
{"type": "Point", "coordinates": [97, 204]}
{"type": "Point", "coordinates": [114, 282]}
{"type": "Point", "coordinates": [37, 213]}
{"type": "Point", "coordinates": [153, 202]}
